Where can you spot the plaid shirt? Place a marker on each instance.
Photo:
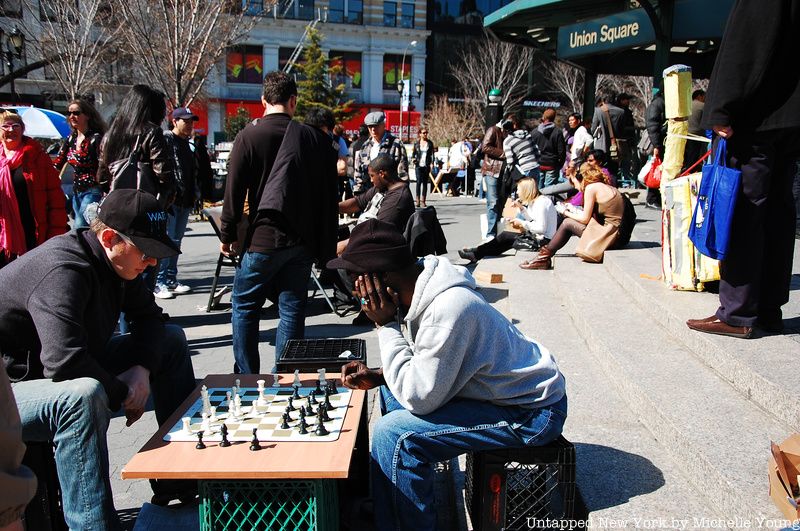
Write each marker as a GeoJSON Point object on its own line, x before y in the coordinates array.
{"type": "Point", "coordinates": [389, 145]}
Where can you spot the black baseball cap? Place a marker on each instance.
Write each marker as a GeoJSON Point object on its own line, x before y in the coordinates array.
{"type": "Point", "coordinates": [374, 247]}
{"type": "Point", "coordinates": [183, 113]}
{"type": "Point", "coordinates": [137, 215]}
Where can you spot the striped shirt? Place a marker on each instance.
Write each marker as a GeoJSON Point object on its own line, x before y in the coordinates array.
{"type": "Point", "coordinates": [521, 150]}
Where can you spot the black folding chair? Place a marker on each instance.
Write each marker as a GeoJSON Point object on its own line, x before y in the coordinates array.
{"type": "Point", "coordinates": [213, 214]}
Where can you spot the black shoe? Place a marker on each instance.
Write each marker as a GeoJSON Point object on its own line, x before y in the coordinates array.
{"type": "Point", "coordinates": [468, 254]}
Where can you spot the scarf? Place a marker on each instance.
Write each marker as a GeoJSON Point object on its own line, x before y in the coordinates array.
{"type": "Point", "coordinates": [12, 234]}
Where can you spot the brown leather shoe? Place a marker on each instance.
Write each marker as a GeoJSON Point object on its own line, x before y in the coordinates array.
{"type": "Point", "coordinates": [712, 325]}
{"type": "Point", "coordinates": [542, 261]}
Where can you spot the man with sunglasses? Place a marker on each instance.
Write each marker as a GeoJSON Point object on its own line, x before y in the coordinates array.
{"type": "Point", "coordinates": [70, 370]}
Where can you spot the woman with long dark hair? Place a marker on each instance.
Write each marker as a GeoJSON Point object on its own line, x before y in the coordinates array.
{"type": "Point", "coordinates": [81, 150]}
{"type": "Point", "coordinates": [137, 125]}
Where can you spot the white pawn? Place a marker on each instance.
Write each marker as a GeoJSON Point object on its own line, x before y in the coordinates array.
{"type": "Point", "coordinates": [261, 400]}
{"type": "Point", "coordinates": [228, 400]}
{"type": "Point", "coordinates": [237, 406]}
{"type": "Point", "coordinates": [322, 380]}
{"type": "Point", "coordinates": [297, 378]}
{"type": "Point", "coordinates": [276, 382]}
{"type": "Point", "coordinates": [186, 426]}
{"type": "Point", "coordinates": [206, 424]}
{"type": "Point", "coordinates": [237, 383]}
{"type": "Point", "coordinates": [212, 413]}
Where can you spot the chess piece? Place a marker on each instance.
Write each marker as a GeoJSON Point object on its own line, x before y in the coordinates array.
{"type": "Point", "coordinates": [302, 413]}
{"type": "Point", "coordinates": [228, 400]}
{"type": "Point", "coordinates": [320, 428]}
{"type": "Point", "coordinates": [213, 413]}
{"type": "Point", "coordinates": [285, 421]}
{"type": "Point", "coordinates": [317, 389]}
{"type": "Point", "coordinates": [332, 387]}
{"type": "Point", "coordinates": [297, 381]}
{"type": "Point", "coordinates": [328, 399]}
{"type": "Point", "coordinates": [237, 383]}
{"type": "Point", "coordinates": [200, 444]}
{"type": "Point", "coordinates": [323, 382]}
{"type": "Point", "coordinates": [312, 398]}
{"type": "Point", "coordinates": [186, 424]}
{"type": "Point", "coordinates": [254, 445]}
{"type": "Point", "coordinates": [296, 393]}
{"type": "Point", "coordinates": [303, 426]}
{"type": "Point", "coordinates": [309, 408]}
{"type": "Point", "coordinates": [205, 425]}
{"type": "Point", "coordinates": [286, 412]}
{"type": "Point", "coordinates": [276, 381]}
{"type": "Point", "coordinates": [323, 412]}
{"type": "Point", "coordinates": [262, 401]}
{"type": "Point", "coordinates": [223, 431]}
{"type": "Point", "coordinates": [291, 407]}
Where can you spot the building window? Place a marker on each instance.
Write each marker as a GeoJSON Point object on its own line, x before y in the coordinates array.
{"type": "Point", "coordinates": [392, 66]}
{"type": "Point", "coordinates": [245, 64]}
{"type": "Point", "coordinates": [350, 74]}
{"type": "Point", "coordinates": [355, 11]}
{"type": "Point", "coordinates": [390, 14]}
{"type": "Point", "coordinates": [253, 7]}
{"type": "Point", "coordinates": [297, 9]}
{"type": "Point", "coordinates": [406, 15]}
{"type": "Point", "coordinates": [346, 11]}
{"type": "Point", "coordinates": [470, 13]}
{"type": "Point", "coordinates": [336, 11]}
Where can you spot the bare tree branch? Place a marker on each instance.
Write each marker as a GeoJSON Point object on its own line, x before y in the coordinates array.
{"type": "Point", "coordinates": [176, 43]}
{"type": "Point", "coordinates": [446, 121]}
{"type": "Point", "coordinates": [565, 80]}
{"type": "Point", "coordinates": [493, 64]}
{"type": "Point", "coordinates": [27, 69]}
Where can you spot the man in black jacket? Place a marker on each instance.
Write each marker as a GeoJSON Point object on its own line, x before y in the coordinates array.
{"type": "Point", "coordinates": [552, 149]}
{"type": "Point", "coordinates": [58, 344]}
{"type": "Point", "coordinates": [753, 101]}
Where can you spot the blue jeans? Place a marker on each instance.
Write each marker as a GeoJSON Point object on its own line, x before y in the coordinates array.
{"type": "Point", "coordinates": [176, 228]}
{"type": "Point", "coordinates": [548, 178]}
{"type": "Point", "coordinates": [81, 200]}
{"type": "Point", "coordinates": [405, 448]}
{"type": "Point", "coordinates": [283, 273]}
{"type": "Point", "coordinates": [75, 414]}
{"type": "Point", "coordinates": [494, 205]}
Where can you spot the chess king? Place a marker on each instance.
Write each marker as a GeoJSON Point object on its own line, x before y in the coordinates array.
{"type": "Point", "coordinates": [59, 308]}
{"type": "Point", "coordinates": [467, 380]}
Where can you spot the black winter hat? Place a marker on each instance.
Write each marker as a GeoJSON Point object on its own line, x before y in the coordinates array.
{"type": "Point", "coordinates": [137, 215]}
{"type": "Point", "coordinates": [374, 247]}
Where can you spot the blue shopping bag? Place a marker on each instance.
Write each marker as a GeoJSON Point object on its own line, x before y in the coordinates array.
{"type": "Point", "coordinates": [711, 222]}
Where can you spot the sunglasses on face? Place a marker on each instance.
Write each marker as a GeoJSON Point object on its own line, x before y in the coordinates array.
{"type": "Point", "coordinates": [11, 127]}
{"type": "Point", "coordinates": [74, 113]}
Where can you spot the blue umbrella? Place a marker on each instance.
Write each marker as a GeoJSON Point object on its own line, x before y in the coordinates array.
{"type": "Point", "coordinates": [43, 123]}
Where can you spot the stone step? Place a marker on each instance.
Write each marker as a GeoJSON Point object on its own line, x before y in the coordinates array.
{"type": "Point", "coordinates": [623, 473]}
{"type": "Point", "coordinates": [719, 438]}
{"type": "Point", "coordinates": [759, 368]}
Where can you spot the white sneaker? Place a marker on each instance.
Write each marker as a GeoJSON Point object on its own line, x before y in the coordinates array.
{"type": "Point", "coordinates": [179, 289]}
{"type": "Point", "coordinates": [162, 292]}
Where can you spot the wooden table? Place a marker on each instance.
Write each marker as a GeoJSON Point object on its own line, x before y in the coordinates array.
{"type": "Point", "coordinates": [159, 459]}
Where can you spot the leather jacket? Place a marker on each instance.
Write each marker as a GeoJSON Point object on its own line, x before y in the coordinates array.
{"type": "Point", "coordinates": [493, 153]}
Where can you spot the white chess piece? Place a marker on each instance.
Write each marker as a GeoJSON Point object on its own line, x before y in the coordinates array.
{"type": "Point", "coordinates": [206, 424]}
{"type": "Point", "coordinates": [322, 381]}
{"type": "Point", "coordinates": [186, 427]}
{"type": "Point", "coordinates": [237, 383]}
{"type": "Point", "coordinates": [261, 401]}
{"type": "Point", "coordinates": [228, 399]}
{"type": "Point", "coordinates": [237, 406]}
{"type": "Point", "coordinates": [297, 378]}
{"type": "Point", "coordinates": [276, 380]}
{"type": "Point", "coordinates": [213, 413]}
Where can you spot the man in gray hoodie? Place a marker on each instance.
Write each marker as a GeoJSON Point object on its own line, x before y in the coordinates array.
{"type": "Point", "coordinates": [462, 379]}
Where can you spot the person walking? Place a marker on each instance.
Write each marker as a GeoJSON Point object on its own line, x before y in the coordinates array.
{"type": "Point", "coordinates": [423, 156]}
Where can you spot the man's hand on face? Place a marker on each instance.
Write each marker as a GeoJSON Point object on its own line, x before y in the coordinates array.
{"type": "Point", "coordinates": [356, 375]}
{"type": "Point", "coordinates": [137, 378]}
{"type": "Point", "coordinates": [379, 303]}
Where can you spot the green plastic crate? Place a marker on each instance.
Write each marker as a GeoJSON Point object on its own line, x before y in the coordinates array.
{"type": "Point", "coordinates": [269, 505]}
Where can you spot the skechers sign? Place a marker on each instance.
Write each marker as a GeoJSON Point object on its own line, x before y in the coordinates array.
{"type": "Point", "coordinates": [631, 28]}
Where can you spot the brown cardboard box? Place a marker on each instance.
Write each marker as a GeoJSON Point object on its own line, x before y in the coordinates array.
{"type": "Point", "coordinates": [784, 466]}
{"type": "Point", "coordinates": [510, 212]}
{"type": "Point", "coordinates": [487, 277]}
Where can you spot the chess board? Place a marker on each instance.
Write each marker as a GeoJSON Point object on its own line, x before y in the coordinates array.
{"type": "Point", "coordinates": [266, 418]}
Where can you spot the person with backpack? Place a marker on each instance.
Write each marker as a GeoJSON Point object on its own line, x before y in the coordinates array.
{"type": "Point", "coordinates": [552, 149]}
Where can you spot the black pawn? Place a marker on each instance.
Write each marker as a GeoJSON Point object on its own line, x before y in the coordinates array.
{"type": "Point", "coordinates": [254, 445]}
{"type": "Point", "coordinates": [318, 389]}
{"type": "Point", "coordinates": [296, 393]}
{"type": "Point", "coordinates": [200, 444]}
{"type": "Point", "coordinates": [320, 428]}
{"type": "Point", "coordinates": [310, 410]}
{"type": "Point", "coordinates": [323, 412]}
{"type": "Point", "coordinates": [332, 387]}
{"type": "Point", "coordinates": [285, 421]}
{"type": "Point", "coordinates": [303, 426]}
{"type": "Point", "coordinates": [223, 431]}
{"type": "Point", "coordinates": [288, 416]}
{"type": "Point", "coordinates": [312, 399]}
{"type": "Point", "coordinates": [291, 407]}
{"type": "Point", "coordinates": [328, 399]}
{"type": "Point", "coordinates": [302, 413]}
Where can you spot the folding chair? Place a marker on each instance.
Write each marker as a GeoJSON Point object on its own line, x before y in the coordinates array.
{"type": "Point", "coordinates": [213, 214]}
{"type": "Point", "coordinates": [318, 287]}
{"type": "Point", "coordinates": [435, 183]}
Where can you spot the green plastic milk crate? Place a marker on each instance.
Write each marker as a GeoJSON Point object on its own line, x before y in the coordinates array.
{"type": "Point", "coordinates": [270, 505]}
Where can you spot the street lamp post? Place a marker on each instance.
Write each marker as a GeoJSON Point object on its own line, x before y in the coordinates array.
{"type": "Point", "coordinates": [400, 82]}
{"type": "Point", "coordinates": [15, 41]}
{"type": "Point", "coordinates": [400, 89]}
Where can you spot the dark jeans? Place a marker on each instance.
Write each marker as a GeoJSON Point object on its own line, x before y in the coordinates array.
{"type": "Point", "coordinates": [423, 174]}
{"type": "Point", "coordinates": [757, 269]}
{"type": "Point", "coordinates": [498, 245]}
{"type": "Point", "coordinates": [796, 192]}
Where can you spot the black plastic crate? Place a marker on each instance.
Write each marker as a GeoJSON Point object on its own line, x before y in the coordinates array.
{"type": "Point", "coordinates": [308, 355]}
{"type": "Point", "coordinates": [522, 488]}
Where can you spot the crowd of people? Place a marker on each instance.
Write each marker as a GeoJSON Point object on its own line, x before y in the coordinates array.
{"type": "Point", "coordinates": [81, 335]}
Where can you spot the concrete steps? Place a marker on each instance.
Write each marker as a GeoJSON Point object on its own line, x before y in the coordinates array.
{"type": "Point", "coordinates": [718, 437]}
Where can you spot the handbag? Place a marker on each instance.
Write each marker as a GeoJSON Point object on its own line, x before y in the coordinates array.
{"type": "Point", "coordinates": [596, 238]}
{"type": "Point", "coordinates": [133, 173]}
{"type": "Point", "coordinates": [653, 177]}
{"type": "Point", "coordinates": [716, 200]}
{"type": "Point", "coordinates": [613, 148]}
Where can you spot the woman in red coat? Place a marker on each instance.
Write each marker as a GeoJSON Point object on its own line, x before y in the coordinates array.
{"type": "Point", "coordinates": [32, 205]}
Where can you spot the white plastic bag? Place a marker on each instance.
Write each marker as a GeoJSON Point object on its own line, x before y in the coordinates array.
{"type": "Point", "coordinates": [645, 169]}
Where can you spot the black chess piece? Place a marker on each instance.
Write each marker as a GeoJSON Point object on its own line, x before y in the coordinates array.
{"type": "Point", "coordinates": [288, 416]}
{"type": "Point", "coordinates": [317, 389]}
{"type": "Point", "coordinates": [296, 393]}
{"type": "Point", "coordinates": [254, 444]}
{"type": "Point", "coordinates": [285, 421]}
{"type": "Point", "coordinates": [291, 404]}
{"type": "Point", "coordinates": [328, 399]}
{"type": "Point", "coordinates": [310, 409]}
{"type": "Point", "coordinates": [320, 427]}
{"type": "Point", "coordinates": [312, 399]}
{"type": "Point", "coordinates": [332, 387]}
{"type": "Point", "coordinates": [303, 426]}
{"type": "Point", "coordinates": [323, 412]}
{"type": "Point", "coordinates": [302, 413]}
{"type": "Point", "coordinates": [223, 431]}
{"type": "Point", "coordinates": [200, 444]}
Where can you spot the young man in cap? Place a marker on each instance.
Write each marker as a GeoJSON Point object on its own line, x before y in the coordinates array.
{"type": "Point", "coordinates": [70, 371]}
{"type": "Point", "coordinates": [379, 141]}
{"type": "Point", "coordinates": [462, 379]}
{"type": "Point", "coordinates": [187, 175]}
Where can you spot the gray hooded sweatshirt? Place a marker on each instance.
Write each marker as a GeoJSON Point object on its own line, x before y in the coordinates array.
{"type": "Point", "coordinates": [460, 346]}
